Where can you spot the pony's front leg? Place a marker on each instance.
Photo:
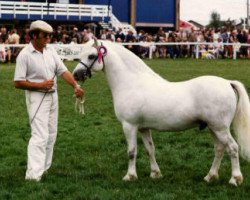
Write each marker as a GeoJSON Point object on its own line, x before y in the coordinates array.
{"type": "Point", "coordinates": [130, 132]}
{"type": "Point", "coordinates": [150, 148]}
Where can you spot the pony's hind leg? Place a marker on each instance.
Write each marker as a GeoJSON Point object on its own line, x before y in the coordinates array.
{"type": "Point", "coordinates": [150, 148]}
{"type": "Point", "coordinates": [232, 149]}
{"type": "Point", "coordinates": [130, 132]}
{"type": "Point", "coordinates": [219, 150]}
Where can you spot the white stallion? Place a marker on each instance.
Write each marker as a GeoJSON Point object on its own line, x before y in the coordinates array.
{"type": "Point", "coordinates": [143, 101]}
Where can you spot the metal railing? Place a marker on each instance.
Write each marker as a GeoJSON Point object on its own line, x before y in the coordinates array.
{"type": "Point", "coordinates": [116, 24]}
{"type": "Point", "coordinates": [43, 10]}
{"type": "Point", "coordinates": [197, 50]}
{"type": "Point", "coordinates": [54, 9]}
{"type": "Point", "coordinates": [71, 47]}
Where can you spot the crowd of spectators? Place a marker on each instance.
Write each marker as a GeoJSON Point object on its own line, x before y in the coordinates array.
{"type": "Point", "coordinates": [147, 41]}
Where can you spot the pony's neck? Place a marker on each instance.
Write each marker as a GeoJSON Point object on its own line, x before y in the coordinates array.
{"type": "Point", "coordinates": [124, 68]}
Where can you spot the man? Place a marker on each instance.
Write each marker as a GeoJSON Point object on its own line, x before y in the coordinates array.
{"type": "Point", "coordinates": [37, 66]}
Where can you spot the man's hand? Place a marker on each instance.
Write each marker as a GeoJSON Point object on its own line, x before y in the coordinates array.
{"type": "Point", "coordinates": [78, 91]}
{"type": "Point", "coordinates": [47, 84]}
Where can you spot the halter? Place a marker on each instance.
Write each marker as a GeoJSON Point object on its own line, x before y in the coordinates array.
{"type": "Point", "coordinates": [101, 53]}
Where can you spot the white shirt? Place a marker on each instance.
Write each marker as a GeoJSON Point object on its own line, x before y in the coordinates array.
{"type": "Point", "coordinates": [34, 66]}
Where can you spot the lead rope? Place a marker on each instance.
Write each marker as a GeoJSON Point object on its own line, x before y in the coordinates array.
{"type": "Point", "coordinates": [79, 105]}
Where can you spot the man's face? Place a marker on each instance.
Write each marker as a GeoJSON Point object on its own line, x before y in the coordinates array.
{"type": "Point", "coordinates": [43, 39]}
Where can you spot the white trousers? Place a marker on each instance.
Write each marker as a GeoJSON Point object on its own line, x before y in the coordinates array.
{"type": "Point", "coordinates": [43, 132]}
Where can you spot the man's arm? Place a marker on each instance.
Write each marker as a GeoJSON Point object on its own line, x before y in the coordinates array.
{"type": "Point", "coordinates": [27, 85]}
{"type": "Point", "coordinates": [67, 76]}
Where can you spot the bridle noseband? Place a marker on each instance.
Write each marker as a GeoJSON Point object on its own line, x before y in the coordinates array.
{"type": "Point", "coordinates": [100, 57]}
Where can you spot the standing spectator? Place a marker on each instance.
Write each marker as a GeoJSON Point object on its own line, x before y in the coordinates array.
{"type": "Point", "coordinates": [192, 38]}
{"type": "Point", "coordinates": [119, 34]}
{"type": "Point", "coordinates": [172, 50]}
{"type": "Point", "coordinates": [248, 42]}
{"type": "Point", "coordinates": [160, 34]}
{"type": "Point", "coordinates": [130, 37]}
{"type": "Point", "coordinates": [86, 35]}
{"type": "Point", "coordinates": [36, 69]}
{"type": "Point", "coordinates": [243, 49]}
{"type": "Point", "coordinates": [76, 34]}
{"type": "Point", "coordinates": [162, 49]}
{"type": "Point", "coordinates": [225, 36]}
{"type": "Point", "coordinates": [58, 34]}
{"type": "Point", "coordinates": [103, 34]}
{"type": "Point", "coordinates": [3, 51]}
{"type": "Point", "coordinates": [231, 39]}
{"type": "Point", "coordinates": [110, 35]}
{"type": "Point", "coordinates": [13, 38]}
{"type": "Point", "coordinates": [25, 37]}
{"type": "Point", "coordinates": [184, 48]}
{"type": "Point", "coordinates": [4, 35]}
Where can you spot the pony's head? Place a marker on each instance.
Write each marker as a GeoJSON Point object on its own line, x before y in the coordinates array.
{"type": "Point", "coordinates": [92, 60]}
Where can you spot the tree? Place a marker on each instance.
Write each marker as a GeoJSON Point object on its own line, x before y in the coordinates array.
{"type": "Point", "coordinates": [215, 21]}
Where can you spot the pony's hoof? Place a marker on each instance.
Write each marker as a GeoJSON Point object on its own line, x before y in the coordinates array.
{"type": "Point", "coordinates": [155, 174]}
{"type": "Point", "coordinates": [236, 180]}
{"type": "Point", "coordinates": [130, 177]}
{"type": "Point", "coordinates": [211, 177]}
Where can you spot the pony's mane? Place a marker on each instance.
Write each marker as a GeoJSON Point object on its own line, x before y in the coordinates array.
{"type": "Point", "coordinates": [131, 61]}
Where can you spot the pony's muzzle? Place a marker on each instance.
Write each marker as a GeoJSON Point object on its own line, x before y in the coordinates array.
{"type": "Point", "coordinates": [80, 74]}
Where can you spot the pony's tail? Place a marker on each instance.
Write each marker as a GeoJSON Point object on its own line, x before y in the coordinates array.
{"type": "Point", "coordinates": [241, 122]}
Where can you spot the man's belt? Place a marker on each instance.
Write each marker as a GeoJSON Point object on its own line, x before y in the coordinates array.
{"type": "Point", "coordinates": [46, 91]}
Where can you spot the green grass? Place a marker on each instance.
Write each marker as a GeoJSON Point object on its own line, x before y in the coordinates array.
{"type": "Point", "coordinates": [90, 156]}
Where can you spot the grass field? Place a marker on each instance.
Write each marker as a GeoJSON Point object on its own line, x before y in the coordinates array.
{"type": "Point", "coordinates": [90, 156]}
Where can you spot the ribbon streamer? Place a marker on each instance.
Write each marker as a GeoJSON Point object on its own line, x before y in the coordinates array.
{"type": "Point", "coordinates": [102, 52]}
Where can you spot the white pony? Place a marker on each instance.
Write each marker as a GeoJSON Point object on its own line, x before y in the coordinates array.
{"type": "Point", "coordinates": [143, 101]}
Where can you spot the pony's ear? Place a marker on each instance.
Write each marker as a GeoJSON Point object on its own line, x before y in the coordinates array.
{"type": "Point", "coordinates": [95, 42]}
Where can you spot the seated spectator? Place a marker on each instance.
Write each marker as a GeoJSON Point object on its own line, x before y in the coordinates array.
{"type": "Point", "coordinates": [119, 40]}
{"type": "Point", "coordinates": [162, 50]}
{"type": "Point", "coordinates": [133, 48]}
{"type": "Point", "coordinates": [211, 52]}
{"type": "Point", "coordinates": [203, 51]}
{"type": "Point", "coordinates": [74, 40]}
{"type": "Point", "coordinates": [219, 48]}
{"type": "Point", "coordinates": [143, 48]}
{"type": "Point", "coordinates": [152, 47]}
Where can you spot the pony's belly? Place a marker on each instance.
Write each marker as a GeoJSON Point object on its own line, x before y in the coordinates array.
{"type": "Point", "coordinates": [168, 126]}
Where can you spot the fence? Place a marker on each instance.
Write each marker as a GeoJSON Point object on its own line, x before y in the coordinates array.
{"type": "Point", "coordinates": [73, 51]}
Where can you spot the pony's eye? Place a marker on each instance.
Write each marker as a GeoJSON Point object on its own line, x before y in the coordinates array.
{"type": "Point", "coordinates": [92, 57]}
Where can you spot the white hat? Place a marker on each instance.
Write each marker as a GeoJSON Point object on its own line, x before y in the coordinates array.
{"type": "Point", "coordinates": [41, 25]}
